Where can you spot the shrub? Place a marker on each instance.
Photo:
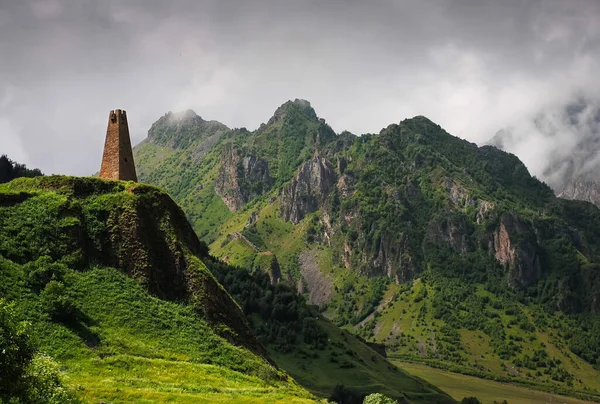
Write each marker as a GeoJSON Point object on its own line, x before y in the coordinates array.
{"type": "Point", "coordinates": [378, 399]}
{"type": "Point", "coordinates": [42, 271]}
{"type": "Point", "coordinates": [343, 395]}
{"type": "Point", "coordinates": [24, 376]}
{"type": "Point", "coordinates": [58, 303]}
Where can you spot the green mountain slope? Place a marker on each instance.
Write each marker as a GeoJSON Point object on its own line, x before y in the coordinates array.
{"type": "Point", "coordinates": [319, 355]}
{"type": "Point", "coordinates": [445, 252]}
{"type": "Point", "coordinates": [113, 282]}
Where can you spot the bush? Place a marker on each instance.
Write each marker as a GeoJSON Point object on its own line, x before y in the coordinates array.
{"type": "Point", "coordinates": [16, 353]}
{"type": "Point", "coordinates": [343, 395]}
{"type": "Point", "coordinates": [378, 399]}
{"type": "Point", "coordinates": [42, 271]}
{"type": "Point", "coordinates": [58, 303]}
{"type": "Point", "coordinates": [24, 376]}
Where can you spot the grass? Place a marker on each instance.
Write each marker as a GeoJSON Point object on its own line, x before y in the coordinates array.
{"type": "Point", "coordinates": [411, 332]}
{"type": "Point", "coordinates": [274, 232]}
{"type": "Point", "coordinates": [114, 340]}
{"type": "Point", "coordinates": [459, 386]}
{"type": "Point", "coordinates": [132, 347]}
{"type": "Point", "coordinates": [125, 379]}
{"type": "Point", "coordinates": [349, 362]}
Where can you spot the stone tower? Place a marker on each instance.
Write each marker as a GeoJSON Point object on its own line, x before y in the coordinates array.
{"type": "Point", "coordinates": [117, 162]}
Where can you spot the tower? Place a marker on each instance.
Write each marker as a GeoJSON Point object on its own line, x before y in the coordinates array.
{"type": "Point", "coordinates": [117, 162]}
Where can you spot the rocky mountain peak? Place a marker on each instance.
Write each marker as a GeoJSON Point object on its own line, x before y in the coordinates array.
{"type": "Point", "coordinates": [178, 130]}
{"type": "Point", "coordinates": [289, 107]}
{"type": "Point", "coordinates": [187, 115]}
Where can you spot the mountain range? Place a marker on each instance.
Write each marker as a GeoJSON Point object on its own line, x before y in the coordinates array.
{"type": "Point", "coordinates": [442, 251]}
{"type": "Point", "coordinates": [294, 264]}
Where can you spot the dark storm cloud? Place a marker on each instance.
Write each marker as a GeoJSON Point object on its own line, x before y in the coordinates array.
{"type": "Point", "coordinates": [472, 66]}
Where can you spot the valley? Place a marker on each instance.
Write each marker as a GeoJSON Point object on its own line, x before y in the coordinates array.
{"type": "Point", "coordinates": [488, 392]}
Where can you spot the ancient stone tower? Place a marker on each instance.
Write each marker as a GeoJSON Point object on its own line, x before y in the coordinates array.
{"type": "Point", "coordinates": [117, 162]}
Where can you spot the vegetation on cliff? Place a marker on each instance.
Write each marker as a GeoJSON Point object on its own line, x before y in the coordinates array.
{"type": "Point", "coordinates": [113, 283]}
{"type": "Point", "coordinates": [120, 292]}
{"type": "Point", "coordinates": [442, 250]}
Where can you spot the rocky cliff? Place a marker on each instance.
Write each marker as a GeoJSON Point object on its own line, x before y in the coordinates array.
{"type": "Point", "coordinates": [241, 177]}
{"type": "Point", "coordinates": [135, 228]}
{"type": "Point", "coordinates": [583, 188]}
{"type": "Point", "coordinates": [310, 187]}
{"type": "Point", "coordinates": [516, 248]}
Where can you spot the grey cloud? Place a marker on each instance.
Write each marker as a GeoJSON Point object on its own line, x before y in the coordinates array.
{"type": "Point", "coordinates": [473, 66]}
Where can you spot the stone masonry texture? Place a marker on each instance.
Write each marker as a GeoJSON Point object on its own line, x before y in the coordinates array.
{"type": "Point", "coordinates": [117, 162]}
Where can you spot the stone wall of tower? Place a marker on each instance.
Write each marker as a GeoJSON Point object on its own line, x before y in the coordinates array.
{"type": "Point", "coordinates": [117, 162]}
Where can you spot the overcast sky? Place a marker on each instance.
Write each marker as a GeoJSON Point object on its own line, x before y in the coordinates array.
{"type": "Point", "coordinates": [471, 66]}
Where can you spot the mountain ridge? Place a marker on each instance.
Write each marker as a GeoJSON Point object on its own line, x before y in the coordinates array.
{"type": "Point", "coordinates": [389, 219]}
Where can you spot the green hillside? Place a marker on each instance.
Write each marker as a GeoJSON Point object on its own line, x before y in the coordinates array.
{"type": "Point", "coordinates": [445, 252]}
{"type": "Point", "coordinates": [120, 293]}
{"type": "Point", "coordinates": [113, 284]}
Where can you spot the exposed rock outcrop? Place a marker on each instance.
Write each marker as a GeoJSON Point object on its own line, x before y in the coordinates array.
{"type": "Point", "coordinates": [310, 187]}
{"type": "Point", "coordinates": [459, 196]}
{"type": "Point", "coordinates": [449, 229]}
{"type": "Point", "coordinates": [251, 219]}
{"type": "Point", "coordinates": [484, 210]}
{"type": "Point", "coordinates": [393, 259]}
{"type": "Point", "coordinates": [582, 189]}
{"type": "Point", "coordinates": [241, 177]}
{"type": "Point", "coordinates": [516, 248]}
{"type": "Point", "coordinates": [318, 284]}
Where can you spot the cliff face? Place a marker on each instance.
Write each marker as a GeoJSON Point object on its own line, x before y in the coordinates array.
{"type": "Point", "coordinates": [136, 229]}
{"type": "Point", "coordinates": [241, 178]}
{"type": "Point", "coordinates": [449, 229]}
{"type": "Point", "coordinates": [308, 189]}
{"type": "Point", "coordinates": [516, 248]}
{"type": "Point", "coordinates": [583, 188]}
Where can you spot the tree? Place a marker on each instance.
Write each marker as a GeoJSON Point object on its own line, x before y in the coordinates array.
{"type": "Point", "coordinates": [24, 376]}
{"type": "Point", "coordinates": [379, 399]}
{"type": "Point", "coordinates": [16, 353]}
{"type": "Point", "coordinates": [9, 170]}
{"type": "Point", "coordinates": [343, 395]}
